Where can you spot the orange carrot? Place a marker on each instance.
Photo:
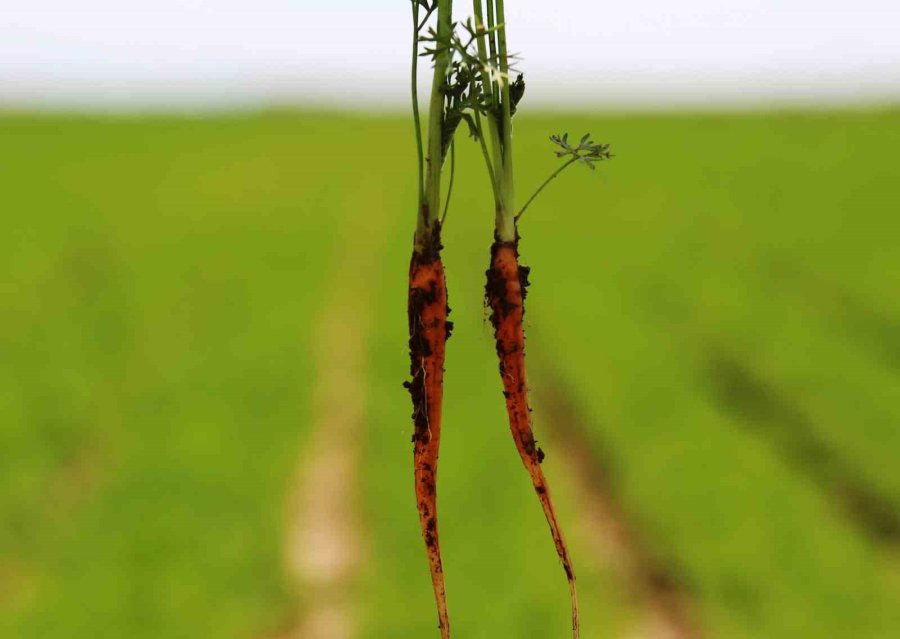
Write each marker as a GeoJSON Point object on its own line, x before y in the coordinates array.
{"type": "Point", "coordinates": [428, 332]}
{"type": "Point", "coordinates": [427, 302]}
{"type": "Point", "coordinates": [505, 294]}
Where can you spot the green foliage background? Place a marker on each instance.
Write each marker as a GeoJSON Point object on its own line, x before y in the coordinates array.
{"type": "Point", "coordinates": [719, 295]}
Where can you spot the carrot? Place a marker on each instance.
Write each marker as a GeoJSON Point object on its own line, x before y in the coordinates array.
{"type": "Point", "coordinates": [493, 101]}
{"type": "Point", "coordinates": [427, 307]}
{"type": "Point", "coordinates": [505, 292]}
{"type": "Point", "coordinates": [429, 329]}
{"type": "Point", "coordinates": [472, 84]}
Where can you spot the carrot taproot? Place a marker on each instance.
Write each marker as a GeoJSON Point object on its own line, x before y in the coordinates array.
{"type": "Point", "coordinates": [429, 330]}
{"type": "Point", "coordinates": [427, 307]}
{"type": "Point", "coordinates": [505, 291]}
{"type": "Point", "coordinates": [472, 83]}
{"type": "Point", "coordinates": [496, 100]}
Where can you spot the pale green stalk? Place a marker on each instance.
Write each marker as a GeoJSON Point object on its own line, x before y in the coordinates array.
{"type": "Point", "coordinates": [545, 183]}
{"type": "Point", "coordinates": [450, 183]}
{"type": "Point", "coordinates": [415, 101]}
{"type": "Point", "coordinates": [482, 47]}
{"type": "Point", "coordinates": [487, 156]}
{"type": "Point", "coordinates": [496, 143]}
{"type": "Point", "coordinates": [493, 163]}
{"type": "Point", "coordinates": [505, 215]}
{"type": "Point", "coordinates": [491, 23]}
{"type": "Point", "coordinates": [429, 215]}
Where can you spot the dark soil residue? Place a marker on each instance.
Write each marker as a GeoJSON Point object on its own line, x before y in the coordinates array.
{"type": "Point", "coordinates": [495, 285]}
{"type": "Point", "coordinates": [420, 344]}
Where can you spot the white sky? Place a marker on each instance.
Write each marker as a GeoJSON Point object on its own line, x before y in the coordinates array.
{"type": "Point", "coordinates": [121, 53]}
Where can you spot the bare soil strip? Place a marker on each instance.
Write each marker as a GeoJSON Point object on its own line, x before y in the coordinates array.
{"type": "Point", "coordinates": [323, 548]}
{"type": "Point", "coordinates": [611, 540]}
{"type": "Point", "coordinates": [325, 545]}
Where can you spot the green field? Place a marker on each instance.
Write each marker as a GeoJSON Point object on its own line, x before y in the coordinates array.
{"type": "Point", "coordinates": [717, 305]}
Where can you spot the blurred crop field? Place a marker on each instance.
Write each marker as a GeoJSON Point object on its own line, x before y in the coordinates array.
{"type": "Point", "coordinates": [714, 338]}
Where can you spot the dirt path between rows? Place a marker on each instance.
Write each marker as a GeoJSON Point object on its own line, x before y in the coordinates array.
{"type": "Point", "coordinates": [610, 539]}
{"type": "Point", "coordinates": [325, 546]}
{"type": "Point", "coordinates": [323, 549]}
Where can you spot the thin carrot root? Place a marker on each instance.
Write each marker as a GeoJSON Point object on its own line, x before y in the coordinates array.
{"type": "Point", "coordinates": [428, 332]}
{"type": "Point", "coordinates": [505, 293]}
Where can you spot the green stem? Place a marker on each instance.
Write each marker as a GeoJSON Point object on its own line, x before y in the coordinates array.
{"type": "Point", "coordinates": [495, 163]}
{"type": "Point", "coordinates": [429, 215]}
{"type": "Point", "coordinates": [450, 184]}
{"type": "Point", "coordinates": [487, 156]}
{"type": "Point", "coordinates": [505, 220]}
{"type": "Point", "coordinates": [482, 47]}
{"type": "Point", "coordinates": [541, 187]}
{"type": "Point", "coordinates": [415, 101]}
{"type": "Point", "coordinates": [491, 34]}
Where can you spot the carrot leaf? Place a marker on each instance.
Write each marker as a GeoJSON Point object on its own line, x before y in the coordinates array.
{"type": "Point", "coordinates": [585, 152]}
